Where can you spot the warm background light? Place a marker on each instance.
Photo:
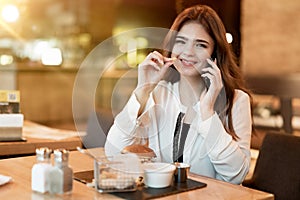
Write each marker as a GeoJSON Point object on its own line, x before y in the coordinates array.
{"type": "Point", "coordinates": [10, 13]}
{"type": "Point", "coordinates": [229, 38]}
{"type": "Point", "coordinates": [6, 59]}
{"type": "Point", "coordinates": [52, 57]}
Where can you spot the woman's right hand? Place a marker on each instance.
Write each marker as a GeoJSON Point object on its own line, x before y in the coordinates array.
{"type": "Point", "coordinates": [150, 72]}
{"type": "Point", "coordinates": [153, 69]}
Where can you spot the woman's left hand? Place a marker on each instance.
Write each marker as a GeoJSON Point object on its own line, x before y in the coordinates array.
{"type": "Point", "coordinates": [209, 96]}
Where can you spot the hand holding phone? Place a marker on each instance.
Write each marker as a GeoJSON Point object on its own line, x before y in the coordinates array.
{"type": "Point", "coordinates": [212, 78]}
{"type": "Point", "coordinates": [206, 79]}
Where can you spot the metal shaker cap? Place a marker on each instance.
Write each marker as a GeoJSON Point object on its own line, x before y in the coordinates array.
{"type": "Point", "coordinates": [43, 153]}
{"type": "Point", "coordinates": [61, 155]}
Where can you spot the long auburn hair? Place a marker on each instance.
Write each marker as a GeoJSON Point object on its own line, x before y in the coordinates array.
{"type": "Point", "coordinates": [226, 60]}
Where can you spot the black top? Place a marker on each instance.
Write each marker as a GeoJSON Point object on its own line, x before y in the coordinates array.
{"type": "Point", "coordinates": [180, 134]}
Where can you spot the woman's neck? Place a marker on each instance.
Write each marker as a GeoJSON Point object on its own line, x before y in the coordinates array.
{"type": "Point", "coordinates": [190, 89]}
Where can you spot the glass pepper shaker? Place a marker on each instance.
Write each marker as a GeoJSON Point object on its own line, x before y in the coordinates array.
{"type": "Point", "coordinates": [61, 176]}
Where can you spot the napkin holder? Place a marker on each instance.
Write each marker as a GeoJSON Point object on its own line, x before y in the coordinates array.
{"type": "Point", "coordinates": [11, 127]}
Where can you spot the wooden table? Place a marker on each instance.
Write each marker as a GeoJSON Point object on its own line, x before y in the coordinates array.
{"type": "Point", "coordinates": [20, 170]}
{"type": "Point", "coordinates": [30, 144]}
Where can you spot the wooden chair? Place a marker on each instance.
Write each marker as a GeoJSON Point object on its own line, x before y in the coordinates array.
{"type": "Point", "coordinates": [278, 167]}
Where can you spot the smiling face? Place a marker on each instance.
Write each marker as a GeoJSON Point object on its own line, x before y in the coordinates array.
{"type": "Point", "coordinates": [193, 45]}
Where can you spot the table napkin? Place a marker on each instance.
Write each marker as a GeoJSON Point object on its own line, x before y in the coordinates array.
{"type": "Point", "coordinates": [4, 179]}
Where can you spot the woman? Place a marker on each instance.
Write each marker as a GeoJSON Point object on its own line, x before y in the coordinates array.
{"type": "Point", "coordinates": [204, 117]}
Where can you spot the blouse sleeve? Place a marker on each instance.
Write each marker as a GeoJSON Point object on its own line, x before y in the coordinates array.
{"type": "Point", "coordinates": [231, 158]}
{"type": "Point", "coordinates": [121, 134]}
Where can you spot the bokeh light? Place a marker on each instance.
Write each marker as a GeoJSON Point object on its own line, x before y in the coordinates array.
{"type": "Point", "coordinates": [229, 38]}
{"type": "Point", "coordinates": [10, 13]}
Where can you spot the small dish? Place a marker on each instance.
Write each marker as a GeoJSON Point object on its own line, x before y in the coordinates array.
{"type": "Point", "coordinates": [158, 175]}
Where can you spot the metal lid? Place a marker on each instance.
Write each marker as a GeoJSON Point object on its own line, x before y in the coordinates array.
{"type": "Point", "coordinates": [43, 153]}
{"type": "Point", "coordinates": [61, 155]}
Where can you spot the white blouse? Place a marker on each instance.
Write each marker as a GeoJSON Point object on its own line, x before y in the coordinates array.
{"type": "Point", "coordinates": [208, 148]}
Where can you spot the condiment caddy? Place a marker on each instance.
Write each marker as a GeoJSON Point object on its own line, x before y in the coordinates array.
{"type": "Point", "coordinates": [48, 178]}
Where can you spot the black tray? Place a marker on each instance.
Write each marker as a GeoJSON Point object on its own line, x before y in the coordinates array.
{"type": "Point", "coordinates": [150, 193]}
{"type": "Point", "coordinates": [143, 193]}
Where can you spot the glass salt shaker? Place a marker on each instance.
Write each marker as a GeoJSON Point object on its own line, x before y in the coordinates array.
{"type": "Point", "coordinates": [61, 176]}
{"type": "Point", "coordinates": [40, 170]}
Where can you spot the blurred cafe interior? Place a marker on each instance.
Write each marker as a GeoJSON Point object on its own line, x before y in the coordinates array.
{"type": "Point", "coordinates": [45, 43]}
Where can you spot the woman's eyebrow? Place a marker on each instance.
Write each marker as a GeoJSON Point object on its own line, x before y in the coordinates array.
{"type": "Point", "coordinates": [202, 41]}
{"type": "Point", "coordinates": [181, 37]}
{"type": "Point", "coordinates": [196, 40]}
